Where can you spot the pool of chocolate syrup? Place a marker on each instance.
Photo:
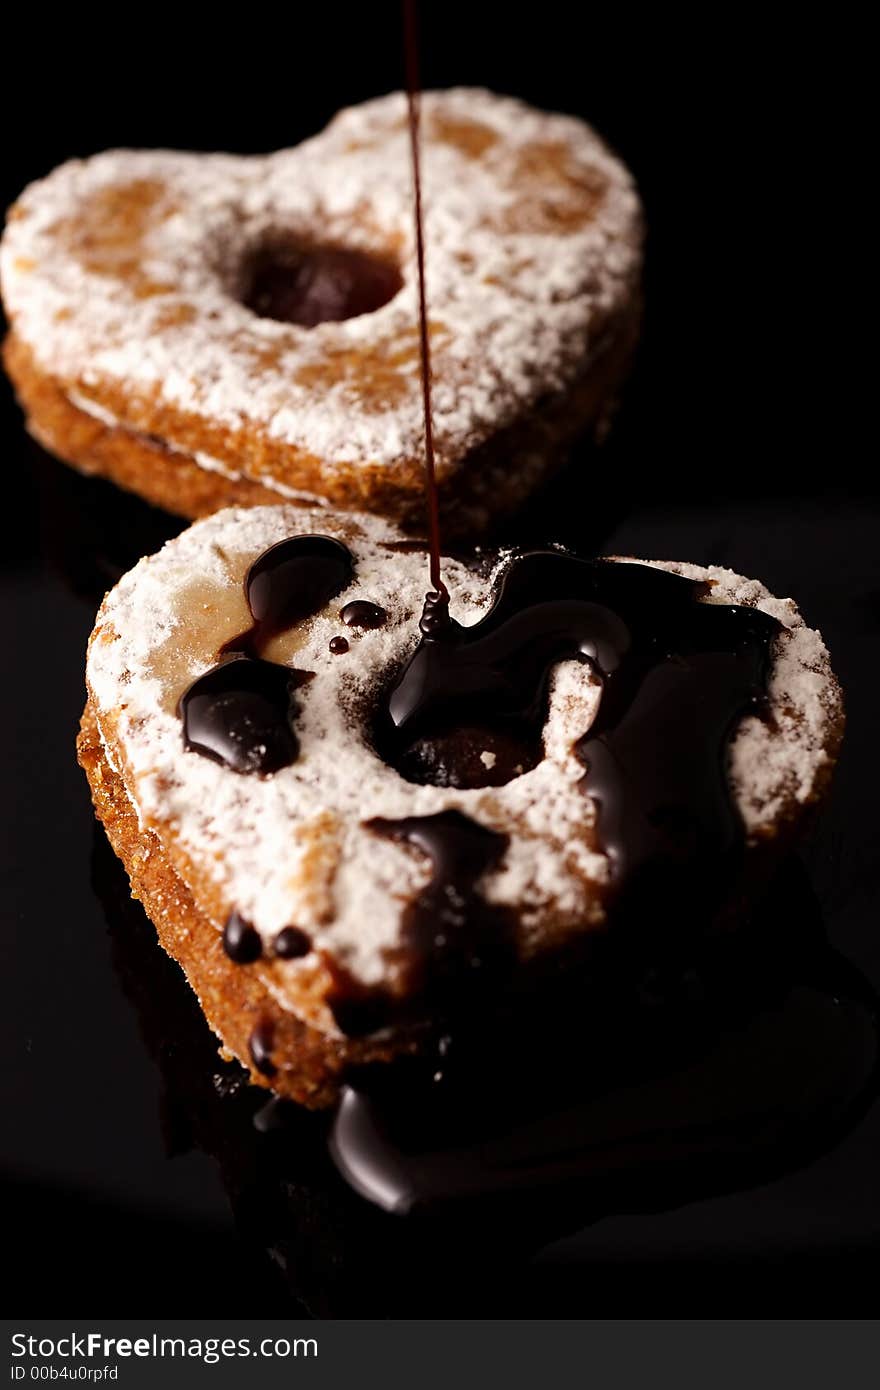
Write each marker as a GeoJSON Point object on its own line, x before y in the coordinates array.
{"type": "Point", "coordinates": [629, 1095]}
{"type": "Point", "coordinates": [599, 1094]}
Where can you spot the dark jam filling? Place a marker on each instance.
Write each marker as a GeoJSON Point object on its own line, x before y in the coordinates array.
{"type": "Point", "coordinates": [309, 285]}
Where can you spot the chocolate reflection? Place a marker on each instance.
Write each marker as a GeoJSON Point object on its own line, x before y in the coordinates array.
{"type": "Point", "coordinates": [688, 1083]}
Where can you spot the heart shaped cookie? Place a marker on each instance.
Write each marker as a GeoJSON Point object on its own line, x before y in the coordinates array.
{"type": "Point", "coordinates": [337, 826]}
{"type": "Point", "coordinates": [210, 329]}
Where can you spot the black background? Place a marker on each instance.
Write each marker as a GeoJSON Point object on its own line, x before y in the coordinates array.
{"type": "Point", "coordinates": [732, 447]}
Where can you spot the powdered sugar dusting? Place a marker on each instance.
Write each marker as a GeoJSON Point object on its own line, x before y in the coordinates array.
{"type": "Point", "coordinates": [533, 247]}
{"type": "Point", "coordinates": [293, 848]}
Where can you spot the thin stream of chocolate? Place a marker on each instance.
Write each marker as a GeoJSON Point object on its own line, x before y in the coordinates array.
{"type": "Point", "coordinates": [436, 602]}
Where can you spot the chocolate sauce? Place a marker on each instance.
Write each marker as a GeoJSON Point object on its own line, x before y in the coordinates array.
{"type": "Point", "coordinates": [624, 1104]}
{"type": "Point", "coordinates": [435, 614]}
{"type": "Point", "coordinates": [616, 1105]}
{"type": "Point", "coordinates": [292, 943]}
{"type": "Point", "coordinates": [289, 582]}
{"type": "Point", "coordinates": [454, 945]}
{"type": "Point", "coordinates": [241, 713]}
{"type": "Point", "coordinates": [260, 1045]}
{"type": "Point", "coordinates": [309, 285]}
{"type": "Point", "coordinates": [360, 613]}
{"type": "Point", "coordinates": [413, 97]}
{"type": "Point", "coordinates": [469, 755]}
{"type": "Point", "coordinates": [450, 934]}
{"type": "Point", "coordinates": [241, 941]}
{"type": "Point", "coordinates": [338, 646]}
{"type": "Point", "coordinates": [677, 676]}
{"type": "Point", "coordinates": [359, 1009]}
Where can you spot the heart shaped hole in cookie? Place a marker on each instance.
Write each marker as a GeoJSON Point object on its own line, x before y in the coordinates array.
{"type": "Point", "coordinates": [293, 282]}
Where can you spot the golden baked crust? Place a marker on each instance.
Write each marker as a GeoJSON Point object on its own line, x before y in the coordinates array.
{"type": "Point", "coordinates": [509, 468]}
{"type": "Point", "coordinates": [135, 462]}
{"type": "Point", "coordinates": [234, 998]}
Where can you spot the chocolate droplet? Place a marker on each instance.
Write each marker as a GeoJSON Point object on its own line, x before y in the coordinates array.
{"type": "Point", "coordinates": [241, 713]}
{"type": "Point", "coordinates": [360, 613]}
{"type": "Point", "coordinates": [338, 646]}
{"type": "Point", "coordinates": [260, 1045]}
{"type": "Point", "coordinates": [295, 579]}
{"type": "Point", "coordinates": [435, 613]}
{"type": "Point", "coordinates": [240, 941]}
{"type": "Point", "coordinates": [292, 943]}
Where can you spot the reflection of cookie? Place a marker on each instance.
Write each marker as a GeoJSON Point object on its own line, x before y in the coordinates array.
{"type": "Point", "coordinates": [206, 330]}
{"type": "Point", "coordinates": [299, 852]}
